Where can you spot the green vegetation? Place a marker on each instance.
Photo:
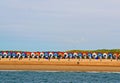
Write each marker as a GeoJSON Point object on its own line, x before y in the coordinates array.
{"type": "Point", "coordinates": [99, 50]}
{"type": "Point", "coordinates": [72, 51]}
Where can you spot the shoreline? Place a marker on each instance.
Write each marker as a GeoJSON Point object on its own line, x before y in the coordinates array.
{"type": "Point", "coordinates": [61, 65]}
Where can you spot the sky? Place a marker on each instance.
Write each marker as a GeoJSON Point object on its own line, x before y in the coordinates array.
{"type": "Point", "coordinates": [59, 25]}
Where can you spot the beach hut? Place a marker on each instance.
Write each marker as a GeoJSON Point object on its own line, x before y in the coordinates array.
{"type": "Point", "coordinates": [37, 54]}
{"type": "Point", "coordinates": [84, 55]}
{"type": "Point", "coordinates": [23, 54]}
{"type": "Point", "coordinates": [1, 55]}
{"type": "Point", "coordinates": [80, 55]}
{"type": "Point", "coordinates": [5, 54]}
{"type": "Point", "coordinates": [65, 55]}
{"type": "Point", "coordinates": [105, 55]}
{"type": "Point", "coordinates": [9, 55]}
{"type": "Point", "coordinates": [46, 55]}
{"type": "Point", "coordinates": [89, 55]}
{"type": "Point", "coordinates": [60, 55]}
{"type": "Point", "coordinates": [28, 54]}
{"type": "Point", "coordinates": [18, 54]}
{"type": "Point", "coordinates": [75, 55]}
{"type": "Point", "coordinates": [115, 55]}
{"type": "Point", "coordinates": [33, 54]}
{"type": "Point", "coordinates": [55, 54]}
{"type": "Point", "coordinates": [100, 55]}
{"type": "Point", "coordinates": [42, 54]}
{"type": "Point", "coordinates": [14, 54]}
{"type": "Point", "coordinates": [118, 55]}
{"type": "Point", "coordinates": [110, 56]}
{"type": "Point", "coordinates": [51, 55]}
{"type": "Point", "coordinates": [94, 55]}
{"type": "Point", "coordinates": [70, 55]}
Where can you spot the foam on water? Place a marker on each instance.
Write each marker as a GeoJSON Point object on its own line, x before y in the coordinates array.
{"type": "Point", "coordinates": [57, 71]}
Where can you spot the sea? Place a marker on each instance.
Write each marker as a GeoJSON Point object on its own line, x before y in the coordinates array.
{"type": "Point", "coordinates": [58, 77]}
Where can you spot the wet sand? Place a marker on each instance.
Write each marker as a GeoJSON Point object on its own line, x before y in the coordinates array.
{"type": "Point", "coordinates": [61, 65]}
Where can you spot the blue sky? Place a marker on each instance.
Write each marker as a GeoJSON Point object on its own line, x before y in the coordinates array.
{"type": "Point", "coordinates": [42, 25]}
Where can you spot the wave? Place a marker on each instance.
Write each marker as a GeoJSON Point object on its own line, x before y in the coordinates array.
{"type": "Point", "coordinates": [57, 71]}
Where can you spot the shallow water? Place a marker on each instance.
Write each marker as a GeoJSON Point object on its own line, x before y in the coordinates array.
{"type": "Point", "coordinates": [58, 77]}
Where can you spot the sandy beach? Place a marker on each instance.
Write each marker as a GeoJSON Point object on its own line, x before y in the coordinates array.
{"type": "Point", "coordinates": [61, 65]}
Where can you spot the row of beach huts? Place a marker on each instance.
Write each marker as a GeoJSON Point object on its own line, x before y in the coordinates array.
{"type": "Point", "coordinates": [59, 55]}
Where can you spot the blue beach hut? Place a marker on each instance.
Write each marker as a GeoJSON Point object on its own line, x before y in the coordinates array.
{"type": "Point", "coordinates": [23, 55]}
{"type": "Point", "coordinates": [89, 55]}
{"type": "Point", "coordinates": [70, 55]}
{"type": "Point", "coordinates": [55, 54]}
{"type": "Point", "coordinates": [1, 55]}
{"type": "Point", "coordinates": [110, 55]}
{"type": "Point", "coordinates": [100, 55]}
{"type": "Point", "coordinates": [46, 55]}
{"type": "Point", "coordinates": [9, 54]}
{"type": "Point", "coordinates": [79, 55]}
{"type": "Point", "coordinates": [14, 55]}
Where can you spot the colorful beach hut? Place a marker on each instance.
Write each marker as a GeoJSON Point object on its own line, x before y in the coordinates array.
{"type": "Point", "coordinates": [37, 54]}
{"type": "Point", "coordinates": [115, 55]}
{"type": "Point", "coordinates": [110, 55]}
{"type": "Point", "coordinates": [42, 54]}
{"type": "Point", "coordinates": [1, 55]}
{"type": "Point", "coordinates": [23, 54]}
{"type": "Point", "coordinates": [18, 54]}
{"type": "Point", "coordinates": [84, 55]}
{"type": "Point", "coordinates": [70, 55]}
{"type": "Point", "coordinates": [89, 55]}
{"type": "Point", "coordinates": [9, 54]}
{"type": "Point", "coordinates": [60, 54]}
{"type": "Point", "coordinates": [51, 55]}
{"type": "Point", "coordinates": [5, 54]}
{"type": "Point", "coordinates": [46, 55]}
{"type": "Point", "coordinates": [75, 54]}
{"type": "Point", "coordinates": [94, 55]}
{"type": "Point", "coordinates": [100, 55]}
{"type": "Point", "coordinates": [55, 55]}
{"type": "Point", "coordinates": [33, 54]}
{"type": "Point", "coordinates": [65, 55]}
{"type": "Point", "coordinates": [14, 55]}
{"type": "Point", "coordinates": [105, 55]}
{"type": "Point", "coordinates": [80, 55]}
{"type": "Point", "coordinates": [119, 56]}
{"type": "Point", "coordinates": [28, 54]}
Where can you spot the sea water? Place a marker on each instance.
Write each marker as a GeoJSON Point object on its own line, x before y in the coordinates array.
{"type": "Point", "coordinates": [58, 77]}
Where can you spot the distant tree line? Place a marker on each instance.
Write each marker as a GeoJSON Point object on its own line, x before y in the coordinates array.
{"type": "Point", "coordinates": [72, 51]}
{"type": "Point", "coordinates": [99, 50]}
